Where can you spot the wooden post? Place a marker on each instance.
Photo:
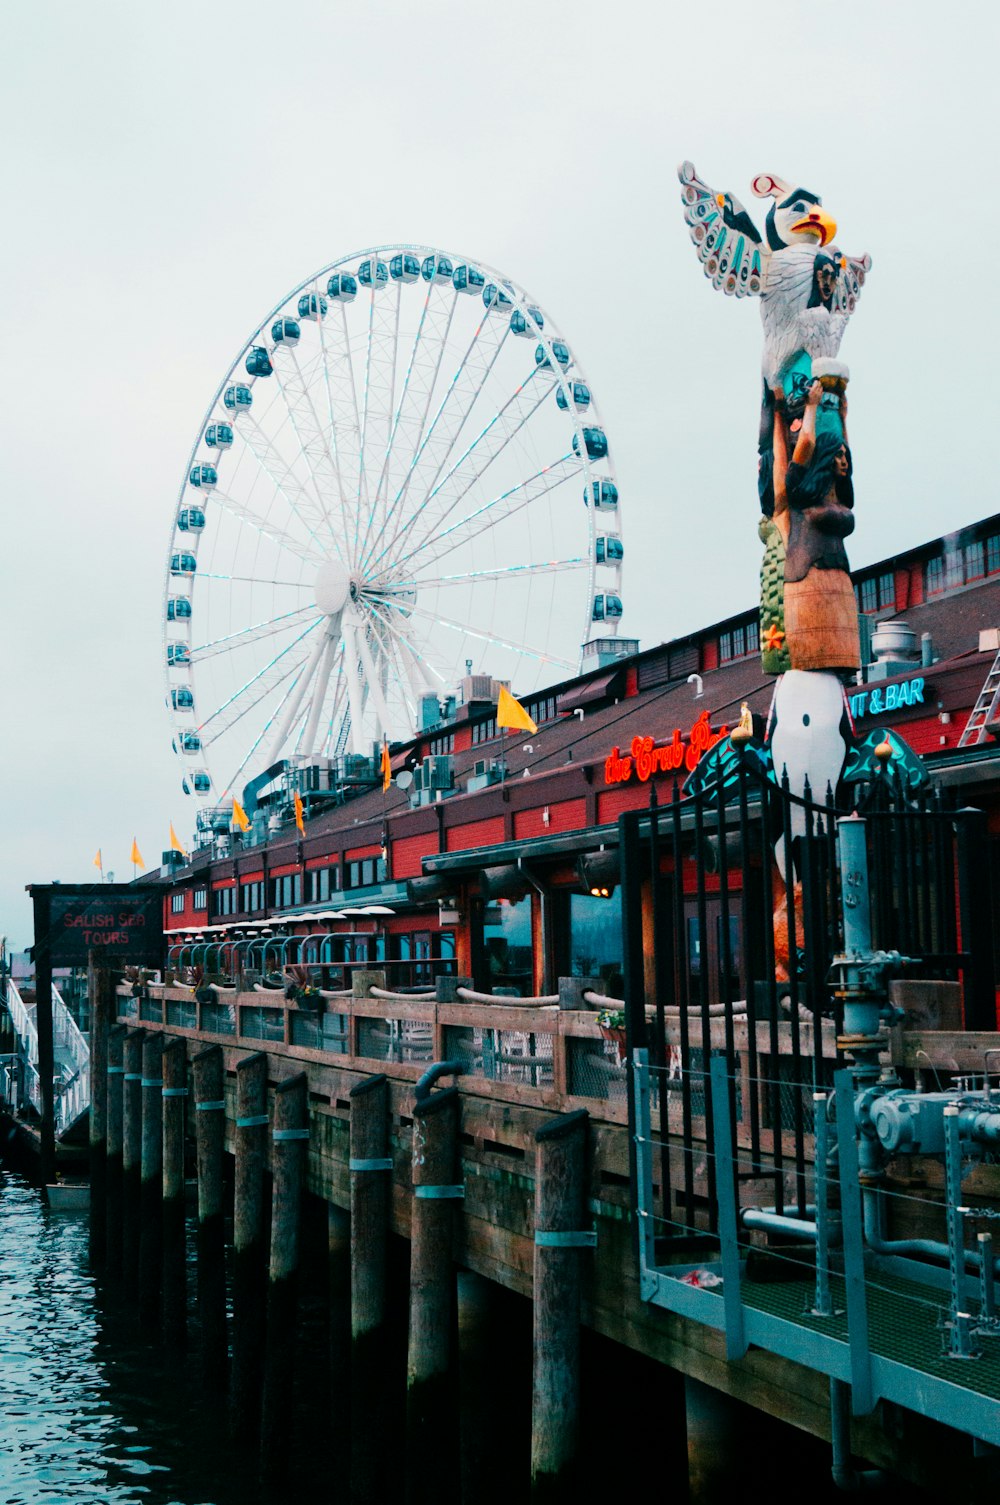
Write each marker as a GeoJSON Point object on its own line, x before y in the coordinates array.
{"type": "Point", "coordinates": [248, 1244]}
{"type": "Point", "coordinates": [174, 1308]}
{"type": "Point", "coordinates": [210, 1137]}
{"type": "Point", "coordinates": [131, 1154]}
{"type": "Point", "coordinates": [338, 1244]}
{"type": "Point", "coordinates": [430, 1400]}
{"type": "Point", "coordinates": [113, 1185]}
{"type": "Point", "coordinates": [371, 1179]}
{"type": "Point", "coordinates": [151, 1180]}
{"type": "Point", "coordinates": [289, 1157]}
{"type": "Point", "coordinates": [100, 992]}
{"type": "Point", "coordinates": [559, 1214]}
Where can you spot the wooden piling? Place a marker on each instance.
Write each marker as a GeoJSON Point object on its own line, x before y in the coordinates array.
{"type": "Point", "coordinates": [210, 1137]}
{"type": "Point", "coordinates": [101, 993]}
{"type": "Point", "coordinates": [151, 1181]}
{"type": "Point", "coordinates": [248, 1244]}
{"type": "Point", "coordinates": [113, 1178]}
{"type": "Point", "coordinates": [173, 1308]}
{"type": "Point", "coordinates": [430, 1389]}
{"type": "Point", "coordinates": [131, 1154]}
{"type": "Point", "coordinates": [559, 1235]}
{"type": "Point", "coordinates": [338, 1246]}
{"type": "Point", "coordinates": [288, 1169]}
{"type": "Point", "coordinates": [371, 1179]}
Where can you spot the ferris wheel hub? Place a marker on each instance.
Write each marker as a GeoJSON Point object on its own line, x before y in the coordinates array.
{"type": "Point", "coordinates": [333, 587]}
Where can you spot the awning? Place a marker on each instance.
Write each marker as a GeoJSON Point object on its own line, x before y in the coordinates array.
{"type": "Point", "coordinates": [602, 687]}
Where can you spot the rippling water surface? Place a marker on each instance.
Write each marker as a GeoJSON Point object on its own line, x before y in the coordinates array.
{"type": "Point", "coordinates": [89, 1413]}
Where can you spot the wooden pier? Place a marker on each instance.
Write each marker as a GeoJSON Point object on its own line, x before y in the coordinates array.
{"type": "Point", "coordinates": [528, 1070]}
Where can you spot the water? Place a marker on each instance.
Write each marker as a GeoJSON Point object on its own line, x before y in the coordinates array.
{"type": "Point", "coordinates": [89, 1413]}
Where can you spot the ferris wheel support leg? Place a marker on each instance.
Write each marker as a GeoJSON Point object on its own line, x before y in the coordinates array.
{"type": "Point", "coordinates": [292, 709]}
{"type": "Point", "coordinates": [354, 696]}
{"type": "Point", "coordinates": [374, 682]}
{"type": "Point", "coordinates": [319, 693]}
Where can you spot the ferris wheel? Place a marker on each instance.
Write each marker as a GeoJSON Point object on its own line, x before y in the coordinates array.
{"type": "Point", "coordinates": [403, 471]}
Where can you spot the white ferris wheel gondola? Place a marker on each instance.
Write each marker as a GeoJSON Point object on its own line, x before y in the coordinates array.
{"type": "Point", "coordinates": [404, 469]}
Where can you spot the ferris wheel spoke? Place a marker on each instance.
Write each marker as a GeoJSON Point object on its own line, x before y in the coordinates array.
{"type": "Point", "coordinates": [334, 722]}
{"type": "Point", "coordinates": [282, 477]}
{"type": "Point", "coordinates": [388, 649]}
{"type": "Point", "coordinates": [508, 572]}
{"type": "Point", "coordinates": [251, 519]}
{"type": "Point", "coordinates": [234, 780]}
{"type": "Point", "coordinates": [490, 637]}
{"type": "Point", "coordinates": [322, 453]}
{"type": "Point", "coordinates": [373, 679]}
{"type": "Point", "coordinates": [453, 411]}
{"type": "Point", "coordinates": [299, 407]}
{"type": "Point", "coordinates": [342, 398]}
{"type": "Point", "coordinates": [378, 398]}
{"type": "Point", "coordinates": [488, 444]}
{"type": "Point", "coordinates": [265, 680]}
{"type": "Point", "coordinates": [424, 669]}
{"type": "Point", "coordinates": [298, 585]}
{"type": "Point", "coordinates": [422, 370]}
{"type": "Point", "coordinates": [252, 634]}
{"type": "Point", "coordinates": [497, 510]}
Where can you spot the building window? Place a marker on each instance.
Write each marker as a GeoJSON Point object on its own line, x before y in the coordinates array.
{"type": "Point", "coordinates": [176, 903]}
{"type": "Point", "coordinates": [483, 731]}
{"type": "Point", "coordinates": [224, 901]}
{"type": "Point", "coordinates": [595, 937]}
{"type": "Point", "coordinates": [868, 595]}
{"type": "Point", "coordinates": [993, 554]}
{"type": "Point", "coordinates": [507, 948]}
{"type": "Point", "coordinates": [974, 560]}
{"type": "Point", "coordinates": [201, 898]}
{"type": "Point", "coordinates": [543, 709]}
{"type": "Point", "coordinates": [251, 897]}
{"type": "Point", "coordinates": [934, 575]}
{"type": "Point", "coordinates": [953, 569]}
{"type": "Point", "coordinates": [739, 642]}
{"type": "Point", "coordinates": [286, 891]}
{"type": "Point", "coordinates": [440, 747]}
{"type": "Point", "coordinates": [887, 589]}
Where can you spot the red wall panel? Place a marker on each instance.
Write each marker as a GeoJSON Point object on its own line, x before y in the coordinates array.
{"type": "Point", "coordinates": [477, 833]}
{"type": "Point", "coordinates": [611, 804]}
{"type": "Point", "coordinates": [567, 815]}
{"type": "Point", "coordinates": [407, 852]}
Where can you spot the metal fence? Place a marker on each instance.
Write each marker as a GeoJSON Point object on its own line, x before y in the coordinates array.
{"type": "Point", "coordinates": [721, 957]}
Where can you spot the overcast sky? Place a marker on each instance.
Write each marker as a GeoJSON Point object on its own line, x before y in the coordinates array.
{"type": "Point", "coordinates": [170, 171]}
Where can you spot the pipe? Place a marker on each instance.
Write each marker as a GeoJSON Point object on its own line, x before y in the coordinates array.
{"type": "Point", "coordinates": [929, 1248]}
{"type": "Point", "coordinates": [423, 1085]}
{"type": "Point", "coordinates": [845, 1476]}
{"type": "Point", "coordinates": [776, 1222]}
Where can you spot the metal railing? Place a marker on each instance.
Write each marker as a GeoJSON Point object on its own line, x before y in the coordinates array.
{"type": "Point", "coordinates": [71, 1074]}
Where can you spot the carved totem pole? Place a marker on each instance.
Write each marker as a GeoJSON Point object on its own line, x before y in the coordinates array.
{"type": "Point", "coordinates": [808, 617]}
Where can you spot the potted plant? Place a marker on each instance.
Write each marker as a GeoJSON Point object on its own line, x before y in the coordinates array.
{"type": "Point", "coordinates": [611, 1023]}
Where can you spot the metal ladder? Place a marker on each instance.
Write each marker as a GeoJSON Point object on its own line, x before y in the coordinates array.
{"type": "Point", "coordinates": [984, 709]}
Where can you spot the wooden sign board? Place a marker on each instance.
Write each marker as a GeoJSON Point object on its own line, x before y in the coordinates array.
{"type": "Point", "coordinates": [122, 921]}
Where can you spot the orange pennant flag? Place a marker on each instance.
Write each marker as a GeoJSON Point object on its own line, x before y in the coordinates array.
{"type": "Point", "coordinates": [136, 854]}
{"type": "Point", "coordinates": [241, 820]}
{"type": "Point", "coordinates": [299, 814]}
{"type": "Point", "coordinates": [386, 766]}
{"type": "Point", "coordinates": [511, 713]}
{"type": "Point", "coordinates": [175, 845]}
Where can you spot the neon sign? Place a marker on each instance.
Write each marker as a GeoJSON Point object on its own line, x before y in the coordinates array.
{"type": "Point", "coordinates": [879, 699]}
{"type": "Point", "coordinates": [646, 757]}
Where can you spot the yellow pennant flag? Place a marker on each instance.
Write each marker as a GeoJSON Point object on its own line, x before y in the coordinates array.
{"type": "Point", "coordinates": [99, 860]}
{"type": "Point", "coordinates": [175, 845]}
{"type": "Point", "coordinates": [240, 818]}
{"type": "Point", "coordinates": [299, 814]}
{"type": "Point", "coordinates": [511, 712]}
{"type": "Point", "coordinates": [386, 766]}
{"type": "Point", "coordinates": [136, 854]}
